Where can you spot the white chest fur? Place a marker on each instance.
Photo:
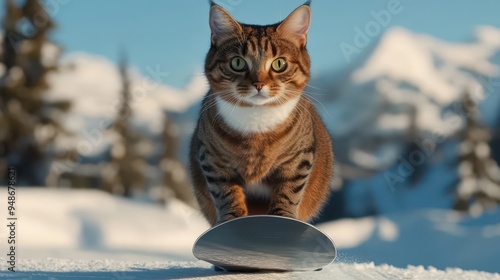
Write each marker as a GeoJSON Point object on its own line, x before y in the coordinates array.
{"type": "Point", "coordinates": [254, 119]}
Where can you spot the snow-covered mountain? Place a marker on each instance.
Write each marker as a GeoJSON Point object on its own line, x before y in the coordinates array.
{"type": "Point", "coordinates": [398, 112]}
{"type": "Point", "coordinates": [409, 79]}
{"type": "Point", "coordinates": [92, 83]}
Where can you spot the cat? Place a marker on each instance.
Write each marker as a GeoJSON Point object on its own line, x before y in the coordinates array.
{"type": "Point", "coordinates": [259, 146]}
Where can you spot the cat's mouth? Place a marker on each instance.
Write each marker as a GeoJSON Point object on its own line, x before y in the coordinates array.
{"type": "Point", "coordinates": [259, 98]}
{"type": "Point", "coordinates": [260, 95]}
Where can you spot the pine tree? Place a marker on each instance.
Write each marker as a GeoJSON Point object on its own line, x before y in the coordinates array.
{"type": "Point", "coordinates": [175, 175]}
{"type": "Point", "coordinates": [413, 152]}
{"type": "Point", "coordinates": [479, 184]}
{"type": "Point", "coordinates": [126, 171]}
{"type": "Point", "coordinates": [29, 123]}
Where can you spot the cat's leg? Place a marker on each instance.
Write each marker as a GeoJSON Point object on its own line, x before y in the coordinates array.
{"type": "Point", "coordinates": [289, 183]}
{"type": "Point", "coordinates": [219, 186]}
{"type": "Point", "coordinates": [286, 197]}
{"type": "Point", "coordinates": [202, 194]}
{"type": "Point", "coordinates": [229, 198]}
{"type": "Point", "coordinates": [220, 199]}
{"type": "Point", "coordinates": [225, 188]}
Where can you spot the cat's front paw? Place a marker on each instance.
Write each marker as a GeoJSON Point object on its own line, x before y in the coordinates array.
{"type": "Point", "coordinates": [283, 213]}
{"type": "Point", "coordinates": [229, 217]}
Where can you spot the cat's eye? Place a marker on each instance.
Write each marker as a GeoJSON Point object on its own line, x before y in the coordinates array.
{"type": "Point", "coordinates": [279, 65]}
{"type": "Point", "coordinates": [238, 64]}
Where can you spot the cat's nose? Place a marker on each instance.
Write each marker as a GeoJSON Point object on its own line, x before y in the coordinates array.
{"type": "Point", "coordinates": [259, 85]}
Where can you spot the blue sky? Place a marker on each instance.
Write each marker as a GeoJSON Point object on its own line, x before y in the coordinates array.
{"type": "Point", "coordinates": [175, 34]}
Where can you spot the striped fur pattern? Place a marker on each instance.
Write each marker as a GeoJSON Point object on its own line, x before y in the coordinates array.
{"type": "Point", "coordinates": [260, 146]}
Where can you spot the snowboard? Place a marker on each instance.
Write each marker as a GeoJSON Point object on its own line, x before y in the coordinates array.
{"type": "Point", "coordinates": [265, 243]}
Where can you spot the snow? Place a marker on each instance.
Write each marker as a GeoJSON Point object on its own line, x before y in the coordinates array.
{"type": "Point", "coordinates": [82, 234]}
{"type": "Point", "coordinates": [417, 66]}
{"type": "Point", "coordinates": [393, 121]}
{"type": "Point", "coordinates": [420, 71]}
{"type": "Point", "coordinates": [50, 54]}
{"type": "Point", "coordinates": [428, 237]}
{"type": "Point", "coordinates": [369, 193]}
{"type": "Point", "coordinates": [94, 221]}
{"type": "Point", "coordinates": [14, 76]}
{"type": "Point", "coordinates": [364, 159]}
{"type": "Point", "coordinates": [94, 84]}
{"type": "Point", "coordinates": [428, 114]}
{"type": "Point", "coordinates": [345, 237]}
{"type": "Point", "coordinates": [405, 56]}
{"type": "Point", "coordinates": [489, 35]}
{"type": "Point", "coordinates": [122, 270]}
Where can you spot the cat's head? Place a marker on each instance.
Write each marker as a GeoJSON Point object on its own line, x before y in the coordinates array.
{"type": "Point", "coordinates": [250, 65]}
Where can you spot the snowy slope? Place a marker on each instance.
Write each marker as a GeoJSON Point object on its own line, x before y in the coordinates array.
{"type": "Point", "coordinates": [89, 223]}
{"type": "Point", "coordinates": [108, 269]}
{"type": "Point", "coordinates": [90, 234]}
{"type": "Point", "coordinates": [425, 237]}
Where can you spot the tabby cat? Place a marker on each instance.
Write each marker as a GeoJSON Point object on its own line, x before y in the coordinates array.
{"type": "Point", "coordinates": [260, 146]}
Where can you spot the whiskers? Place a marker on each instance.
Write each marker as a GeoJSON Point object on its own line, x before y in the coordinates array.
{"type": "Point", "coordinates": [226, 107]}
{"type": "Point", "coordinates": [308, 95]}
{"type": "Point", "coordinates": [286, 96]}
{"type": "Point", "coordinates": [322, 89]}
{"type": "Point", "coordinates": [211, 102]}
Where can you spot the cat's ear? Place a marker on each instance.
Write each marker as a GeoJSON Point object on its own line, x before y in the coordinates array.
{"type": "Point", "coordinates": [222, 24]}
{"type": "Point", "coordinates": [296, 25]}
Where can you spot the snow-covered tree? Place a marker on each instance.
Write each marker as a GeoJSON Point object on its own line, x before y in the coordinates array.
{"type": "Point", "coordinates": [127, 167]}
{"type": "Point", "coordinates": [29, 123]}
{"type": "Point", "coordinates": [174, 172]}
{"type": "Point", "coordinates": [479, 184]}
